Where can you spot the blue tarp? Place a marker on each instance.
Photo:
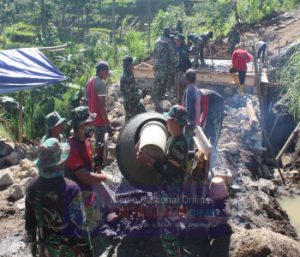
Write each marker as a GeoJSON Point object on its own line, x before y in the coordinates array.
{"type": "Point", "coordinates": [26, 68]}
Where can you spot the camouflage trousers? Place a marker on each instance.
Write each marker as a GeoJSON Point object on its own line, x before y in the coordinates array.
{"type": "Point", "coordinates": [133, 107]}
{"type": "Point", "coordinates": [197, 52]}
{"type": "Point", "coordinates": [160, 84]}
{"type": "Point", "coordinates": [47, 250]}
{"type": "Point", "coordinates": [180, 85]}
{"type": "Point", "coordinates": [171, 79]}
{"type": "Point", "coordinates": [169, 224]}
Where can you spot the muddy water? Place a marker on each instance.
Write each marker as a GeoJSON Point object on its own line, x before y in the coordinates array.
{"type": "Point", "coordinates": [292, 208]}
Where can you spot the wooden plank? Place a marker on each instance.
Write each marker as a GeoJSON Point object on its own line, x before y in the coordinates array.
{"type": "Point", "coordinates": [288, 142]}
{"type": "Point", "coordinates": [251, 114]}
{"type": "Point", "coordinates": [204, 143]}
{"type": "Point", "coordinates": [211, 74]}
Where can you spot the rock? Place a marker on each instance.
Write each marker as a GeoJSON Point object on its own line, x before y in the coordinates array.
{"type": "Point", "coordinates": [229, 91]}
{"type": "Point", "coordinates": [21, 204]}
{"type": "Point", "coordinates": [2, 163]}
{"type": "Point", "coordinates": [12, 159]}
{"type": "Point", "coordinates": [26, 164]}
{"type": "Point", "coordinates": [286, 161]}
{"type": "Point", "coordinates": [254, 243]}
{"type": "Point", "coordinates": [115, 137]}
{"type": "Point", "coordinates": [147, 100]}
{"type": "Point", "coordinates": [165, 105]}
{"type": "Point", "coordinates": [110, 101]}
{"type": "Point", "coordinates": [266, 186]}
{"type": "Point", "coordinates": [6, 178]}
{"type": "Point", "coordinates": [117, 122]}
{"type": "Point", "coordinates": [271, 212]}
{"type": "Point", "coordinates": [15, 192]}
{"type": "Point", "coordinates": [5, 149]}
{"type": "Point", "coordinates": [32, 172]}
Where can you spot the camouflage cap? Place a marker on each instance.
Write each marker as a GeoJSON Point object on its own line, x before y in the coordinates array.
{"type": "Point", "coordinates": [81, 115]}
{"type": "Point", "coordinates": [53, 119]}
{"type": "Point", "coordinates": [52, 153]}
{"type": "Point", "coordinates": [127, 60]}
{"type": "Point", "coordinates": [177, 112]}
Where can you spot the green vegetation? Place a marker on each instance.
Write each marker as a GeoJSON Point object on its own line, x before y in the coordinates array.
{"type": "Point", "coordinates": [290, 80]}
{"type": "Point", "coordinates": [88, 25]}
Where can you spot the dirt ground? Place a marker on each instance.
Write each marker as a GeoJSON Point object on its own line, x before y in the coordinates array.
{"type": "Point", "coordinates": [248, 208]}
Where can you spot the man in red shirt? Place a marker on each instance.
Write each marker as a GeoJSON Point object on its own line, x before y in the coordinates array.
{"type": "Point", "coordinates": [79, 167]}
{"type": "Point", "coordinates": [96, 95]}
{"type": "Point", "coordinates": [240, 58]}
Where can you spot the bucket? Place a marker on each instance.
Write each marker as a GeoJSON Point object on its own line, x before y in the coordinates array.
{"type": "Point", "coordinates": [153, 139]}
{"type": "Point", "coordinates": [223, 173]}
{"type": "Point", "coordinates": [218, 189]}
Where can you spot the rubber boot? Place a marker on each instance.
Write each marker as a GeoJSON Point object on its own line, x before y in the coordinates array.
{"type": "Point", "coordinates": [242, 90]}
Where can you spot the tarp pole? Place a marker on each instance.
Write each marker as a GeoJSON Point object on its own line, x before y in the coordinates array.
{"type": "Point", "coordinates": [20, 118]}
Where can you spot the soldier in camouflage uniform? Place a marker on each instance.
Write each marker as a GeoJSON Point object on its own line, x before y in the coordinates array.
{"type": "Point", "coordinates": [55, 125]}
{"type": "Point", "coordinates": [54, 211]}
{"type": "Point", "coordinates": [130, 93]}
{"type": "Point", "coordinates": [204, 39]}
{"type": "Point", "coordinates": [196, 47]}
{"type": "Point", "coordinates": [183, 63]}
{"type": "Point", "coordinates": [233, 39]}
{"type": "Point", "coordinates": [164, 60]}
{"type": "Point", "coordinates": [171, 172]}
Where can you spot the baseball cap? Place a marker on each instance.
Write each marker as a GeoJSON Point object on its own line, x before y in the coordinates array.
{"type": "Point", "coordinates": [177, 112]}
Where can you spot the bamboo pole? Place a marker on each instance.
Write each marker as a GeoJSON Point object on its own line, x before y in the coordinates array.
{"type": "Point", "coordinates": [262, 118]}
{"type": "Point", "coordinates": [54, 48]}
{"type": "Point", "coordinates": [20, 118]}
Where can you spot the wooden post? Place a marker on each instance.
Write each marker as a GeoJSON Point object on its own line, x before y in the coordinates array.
{"type": "Point", "coordinates": [20, 118]}
{"type": "Point", "coordinates": [288, 142]}
{"type": "Point", "coordinates": [114, 30]}
{"type": "Point", "coordinates": [262, 117]}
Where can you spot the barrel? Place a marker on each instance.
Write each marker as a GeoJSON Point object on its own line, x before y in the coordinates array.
{"type": "Point", "coordinates": [153, 139]}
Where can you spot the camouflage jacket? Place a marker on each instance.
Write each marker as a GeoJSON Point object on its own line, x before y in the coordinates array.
{"type": "Point", "coordinates": [163, 53]}
{"type": "Point", "coordinates": [234, 37]}
{"type": "Point", "coordinates": [54, 210]}
{"type": "Point", "coordinates": [183, 62]}
{"type": "Point", "coordinates": [169, 174]}
{"type": "Point", "coordinates": [127, 85]}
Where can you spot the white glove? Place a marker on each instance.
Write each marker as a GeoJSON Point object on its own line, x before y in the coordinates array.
{"type": "Point", "coordinates": [109, 179]}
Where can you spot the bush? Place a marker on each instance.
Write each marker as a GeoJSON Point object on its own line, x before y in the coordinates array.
{"type": "Point", "coordinates": [136, 46]}
{"type": "Point", "coordinates": [168, 18]}
{"type": "Point", "coordinates": [21, 32]}
{"type": "Point", "coordinates": [290, 80]}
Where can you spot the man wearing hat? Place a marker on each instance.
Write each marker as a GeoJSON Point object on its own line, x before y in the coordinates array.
{"type": "Point", "coordinates": [96, 96]}
{"type": "Point", "coordinates": [55, 125]}
{"type": "Point", "coordinates": [171, 173]}
{"type": "Point", "coordinates": [54, 213]}
{"type": "Point", "coordinates": [164, 60]}
{"type": "Point", "coordinates": [183, 63]}
{"type": "Point", "coordinates": [130, 93]}
{"type": "Point", "coordinates": [79, 166]}
{"type": "Point", "coordinates": [191, 101]}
